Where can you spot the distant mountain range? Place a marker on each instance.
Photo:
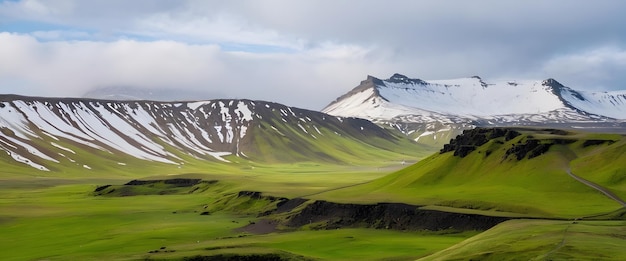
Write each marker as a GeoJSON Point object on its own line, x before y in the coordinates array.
{"type": "Point", "coordinates": [58, 133]}
{"type": "Point", "coordinates": [126, 93]}
{"type": "Point", "coordinates": [440, 109]}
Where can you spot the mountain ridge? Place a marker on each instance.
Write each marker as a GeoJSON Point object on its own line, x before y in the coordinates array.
{"type": "Point", "coordinates": [389, 90]}
{"type": "Point", "coordinates": [43, 133]}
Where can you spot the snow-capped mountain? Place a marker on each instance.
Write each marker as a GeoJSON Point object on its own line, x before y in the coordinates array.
{"type": "Point", "coordinates": [416, 106]}
{"type": "Point", "coordinates": [51, 133]}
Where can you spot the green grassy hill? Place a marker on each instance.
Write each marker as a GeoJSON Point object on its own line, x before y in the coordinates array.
{"type": "Point", "coordinates": [542, 240]}
{"type": "Point", "coordinates": [307, 136]}
{"type": "Point", "coordinates": [518, 172]}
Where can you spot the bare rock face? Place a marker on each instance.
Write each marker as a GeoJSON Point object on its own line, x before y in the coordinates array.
{"type": "Point", "coordinates": [534, 148]}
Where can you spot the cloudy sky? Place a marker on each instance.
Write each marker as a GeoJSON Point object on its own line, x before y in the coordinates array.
{"type": "Point", "coordinates": [303, 53]}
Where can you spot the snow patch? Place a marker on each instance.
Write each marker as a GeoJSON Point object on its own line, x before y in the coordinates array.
{"type": "Point", "coordinates": [316, 129]}
{"type": "Point", "coordinates": [32, 150]}
{"type": "Point", "coordinates": [195, 105]}
{"type": "Point", "coordinates": [303, 129]}
{"type": "Point", "coordinates": [63, 148]}
{"type": "Point", "coordinates": [274, 128]}
{"type": "Point", "coordinates": [22, 159]}
{"type": "Point", "coordinates": [243, 109]}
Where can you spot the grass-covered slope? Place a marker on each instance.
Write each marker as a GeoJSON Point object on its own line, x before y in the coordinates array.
{"type": "Point", "coordinates": [604, 162]}
{"type": "Point", "coordinates": [514, 172]}
{"type": "Point", "coordinates": [293, 135]}
{"type": "Point", "coordinates": [542, 240]}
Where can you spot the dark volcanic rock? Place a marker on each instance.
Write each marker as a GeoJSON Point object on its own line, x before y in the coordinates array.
{"type": "Point", "coordinates": [177, 182]}
{"type": "Point", "coordinates": [237, 257]}
{"type": "Point", "coordinates": [100, 188]}
{"type": "Point", "coordinates": [251, 194]}
{"type": "Point", "coordinates": [588, 143]}
{"type": "Point", "coordinates": [286, 206]}
{"type": "Point", "coordinates": [283, 204]}
{"type": "Point", "coordinates": [388, 216]}
{"type": "Point", "coordinates": [259, 195]}
{"type": "Point", "coordinates": [154, 187]}
{"type": "Point", "coordinates": [467, 142]}
{"type": "Point", "coordinates": [520, 150]}
{"type": "Point", "coordinates": [534, 147]}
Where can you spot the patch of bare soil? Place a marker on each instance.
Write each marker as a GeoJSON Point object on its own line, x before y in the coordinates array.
{"type": "Point", "coordinates": [259, 227]}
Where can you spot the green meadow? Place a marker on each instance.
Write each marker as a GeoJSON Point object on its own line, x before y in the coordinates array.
{"type": "Point", "coordinates": [63, 219]}
{"type": "Point", "coordinates": [59, 215]}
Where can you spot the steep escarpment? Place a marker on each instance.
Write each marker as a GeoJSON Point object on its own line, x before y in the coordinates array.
{"type": "Point", "coordinates": [319, 214]}
{"type": "Point", "coordinates": [398, 216]}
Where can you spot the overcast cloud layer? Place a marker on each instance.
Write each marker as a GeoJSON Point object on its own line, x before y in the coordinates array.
{"type": "Point", "coordinates": [303, 53]}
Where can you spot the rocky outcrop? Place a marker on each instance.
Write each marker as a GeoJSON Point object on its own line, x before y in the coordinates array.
{"type": "Point", "coordinates": [259, 195]}
{"type": "Point", "coordinates": [398, 216]}
{"type": "Point", "coordinates": [470, 140]}
{"type": "Point", "coordinates": [175, 182]}
{"type": "Point", "coordinates": [154, 187]}
{"type": "Point", "coordinates": [588, 143]}
{"type": "Point", "coordinates": [241, 257]}
{"type": "Point", "coordinates": [534, 147]}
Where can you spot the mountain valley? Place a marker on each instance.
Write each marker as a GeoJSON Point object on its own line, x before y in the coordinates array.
{"type": "Point", "coordinates": [400, 169]}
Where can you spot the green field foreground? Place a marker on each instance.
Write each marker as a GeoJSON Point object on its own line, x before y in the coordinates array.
{"type": "Point", "coordinates": [67, 222]}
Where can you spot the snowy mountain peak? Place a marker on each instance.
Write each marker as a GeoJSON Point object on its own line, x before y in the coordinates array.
{"type": "Point", "coordinates": [473, 98]}
{"type": "Point", "coordinates": [472, 101]}
{"type": "Point", "coordinates": [552, 83]}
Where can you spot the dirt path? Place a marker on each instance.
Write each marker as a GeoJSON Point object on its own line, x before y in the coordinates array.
{"type": "Point", "coordinates": [559, 246]}
{"type": "Point", "coordinates": [597, 187]}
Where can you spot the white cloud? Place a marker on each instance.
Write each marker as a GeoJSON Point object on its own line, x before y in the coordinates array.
{"type": "Point", "coordinates": [598, 68]}
{"type": "Point", "coordinates": [56, 68]}
{"type": "Point", "coordinates": [304, 53]}
{"type": "Point", "coordinates": [36, 9]}
{"type": "Point", "coordinates": [218, 28]}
